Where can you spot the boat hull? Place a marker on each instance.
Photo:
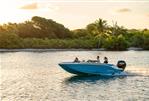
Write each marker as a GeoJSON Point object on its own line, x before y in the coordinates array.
{"type": "Point", "coordinates": [90, 68]}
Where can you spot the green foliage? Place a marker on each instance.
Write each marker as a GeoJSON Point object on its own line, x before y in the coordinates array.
{"type": "Point", "coordinates": [97, 28]}
{"type": "Point", "coordinates": [10, 40]}
{"type": "Point", "coordinates": [137, 39]}
{"type": "Point", "coordinates": [116, 43]}
{"type": "Point", "coordinates": [117, 30]}
{"type": "Point", "coordinates": [46, 33]}
{"type": "Point", "coordinates": [58, 43]}
{"type": "Point", "coordinates": [80, 33]}
{"type": "Point", "coordinates": [50, 28]}
{"type": "Point", "coordinates": [38, 27]}
{"type": "Point", "coordinates": [146, 40]}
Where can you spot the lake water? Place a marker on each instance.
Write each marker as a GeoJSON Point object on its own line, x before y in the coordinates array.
{"type": "Point", "coordinates": [36, 76]}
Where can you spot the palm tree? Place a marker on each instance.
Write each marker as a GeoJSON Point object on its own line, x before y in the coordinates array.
{"type": "Point", "coordinates": [101, 26]}
{"type": "Point", "coordinates": [117, 30]}
{"type": "Point", "coordinates": [98, 28]}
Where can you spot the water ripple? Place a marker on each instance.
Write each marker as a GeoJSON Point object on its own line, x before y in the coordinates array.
{"type": "Point", "coordinates": [35, 76]}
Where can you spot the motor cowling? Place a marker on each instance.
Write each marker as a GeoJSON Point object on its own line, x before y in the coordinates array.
{"type": "Point", "coordinates": [121, 64]}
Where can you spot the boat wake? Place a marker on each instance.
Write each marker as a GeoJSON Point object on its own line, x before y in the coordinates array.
{"type": "Point", "coordinates": [95, 78]}
{"type": "Point", "coordinates": [137, 71]}
{"type": "Point", "coordinates": [87, 78]}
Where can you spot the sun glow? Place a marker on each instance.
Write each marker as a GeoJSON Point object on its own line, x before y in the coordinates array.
{"type": "Point", "coordinates": [10, 11]}
{"type": "Point", "coordinates": [77, 14]}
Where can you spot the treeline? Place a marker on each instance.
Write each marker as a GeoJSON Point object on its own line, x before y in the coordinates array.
{"type": "Point", "coordinates": [46, 33]}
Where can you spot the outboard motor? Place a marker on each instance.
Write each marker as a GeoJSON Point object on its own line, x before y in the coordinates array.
{"type": "Point", "coordinates": [121, 64]}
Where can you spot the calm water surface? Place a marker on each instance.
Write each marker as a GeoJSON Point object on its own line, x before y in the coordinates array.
{"type": "Point", "coordinates": [36, 76]}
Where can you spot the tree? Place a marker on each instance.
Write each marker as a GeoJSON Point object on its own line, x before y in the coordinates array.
{"type": "Point", "coordinates": [146, 39]}
{"type": "Point", "coordinates": [116, 43]}
{"type": "Point", "coordinates": [50, 28]}
{"type": "Point", "coordinates": [9, 40]}
{"type": "Point", "coordinates": [117, 30]}
{"type": "Point", "coordinates": [137, 39]}
{"type": "Point", "coordinates": [28, 30]}
{"type": "Point", "coordinates": [80, 33]}
{"type": "Point", "coordinates": [99, 27]}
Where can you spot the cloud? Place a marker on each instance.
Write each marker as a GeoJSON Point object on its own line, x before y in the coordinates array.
{"type": "Point", "coordinates": [124, 10]}
{"type": "Point", "coordinates": [32, 6]}
{"type": "Point", "coordinates": [46, 6]}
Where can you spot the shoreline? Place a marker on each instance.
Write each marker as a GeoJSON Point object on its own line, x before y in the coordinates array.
{"type": "Point", "coordinates": [46, 50]}
{"type": "Point", "coordinates": [73, 49]}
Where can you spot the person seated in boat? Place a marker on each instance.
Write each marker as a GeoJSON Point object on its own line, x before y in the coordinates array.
{"type": "Point", "coordinates": [76, 60]}
{"type": "Point", "coordinates": [105, 60]}
{"type": "Point", "coordinates": [98, 60]}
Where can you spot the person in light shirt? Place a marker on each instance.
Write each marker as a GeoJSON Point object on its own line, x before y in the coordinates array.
{"type": "Point", "coordinates": [98, 59]}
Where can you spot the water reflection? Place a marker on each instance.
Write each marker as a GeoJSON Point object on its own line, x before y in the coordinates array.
{"type": "Point", "coordinates": [92, 88]}
{"type": "Point", "coordinates": [91, 79]}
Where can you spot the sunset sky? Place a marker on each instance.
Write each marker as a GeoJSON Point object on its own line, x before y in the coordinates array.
{"type": "Point", "coordinates": [78, 13]}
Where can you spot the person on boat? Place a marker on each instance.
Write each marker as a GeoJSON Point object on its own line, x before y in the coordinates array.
{"type": "Point", "coordinates": [76, 60]}
{"type": "Point", "coordinates": [98, 60]}
{"type": "Point", "coordinates": [105, 60]}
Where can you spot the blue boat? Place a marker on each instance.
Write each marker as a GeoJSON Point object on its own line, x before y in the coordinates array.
{"type": "Point", "coordinates": [93, 68]}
